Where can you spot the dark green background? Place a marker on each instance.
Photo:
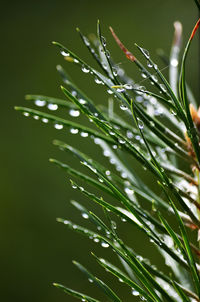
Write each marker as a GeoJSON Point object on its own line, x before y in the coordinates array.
{"type": "Point", "coordinates": [35, 250]}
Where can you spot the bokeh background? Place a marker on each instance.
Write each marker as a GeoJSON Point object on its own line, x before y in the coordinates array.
{"type": "Point", "coordinates": [36, 250]}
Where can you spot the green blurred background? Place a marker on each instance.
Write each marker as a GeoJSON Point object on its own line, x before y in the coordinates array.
{"type": "Point", "coordinates": [35, 250]}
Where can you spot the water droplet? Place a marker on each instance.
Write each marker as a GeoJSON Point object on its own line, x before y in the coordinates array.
{"type": "Point", "coordinates": [66, 222]}
{"type": "Point", "coordinates": [85, 69]}
{"type": "Point", "coordinates": [64, 53]}
{"type": "Point", "coordinates": [105, 66]}
{"type": "Point", "coordinates": [106, 153]}
{"type": "Point", "coordinates": [74, 226]}
{"type": "Point", "coordinates": [84, 134]}
{"type": "Point", "coordinates": [123, 175]}
{"type": "Point", "coordinates": [107, 54]}
{"type": "Point", "coordinates": [135, 292]}
{"type": "Point", "coordinates": [152, 124]}
{"type": "Point", "coordinates": [140, 124]}
{"type": "Point", "coordinates": [52, 107]}
{"type": "Point", "coordinates": [114, 147]}
{"type": "Point", "coordinates": [120, 89]}
{"type": "Point", "coordinates": [145, 53]}
{"type": "Point", "coordinates": [45, 120]}
{"type": "Point", "coordinates": [98, 81]}
{"type": "Point", "coordinates": [26, 114]}
{"type": "Point", "coordinates": [142, 88]}
{"type": "Point", "coordinates": [121, 141]}
{"type": "Point", "coordinates": [149, 64]}
{"type": "Point", "coordinates": [58, 126]}
{"type": "Point", "coordinates": [129, 134]}
{"type": "Point", "coordinates": [114, 71]}
{"type": "Point", "coordinates": [144, 75]}
{"type": "Point", "coordinates": [104, 244]}
{"type": "Point", "coordinates": [112, 133]}
{"type": "Point", "coordinates": [154, 78]}
{"type": "Point", "coordinates": [100, 180]}
{"type": "Point", "coordinates": [120, 280]}
{"type": "Point", "coordinates": [103, 40]}
{"type": "Point", "coordinates": [139, 98]}
{"type": "Point", "coordinates": [76, 61]}
{"type": "Point", "coordinates": [102, 260]}
{"type": "Point", "coordinates": [86, 41]}
{"type": "Point", "coordinates": [36, 117]}
{"type": "Point", "coordinates": [107, 172]}
{"type": "Point", "coordinates": [128, 86]}
{"type": "Point", "coordinates": [74, 186]}
{"type": "Point", "coordinates": [109, 91]}
{"type": "Point", "coordinates": [118, 168]}
{"type": "Point", "coordinates": [140, 258]}
{"type": "Point", "coordinates": [123, 107]}
{"type": "Point", "coordinates": [74, 131]}
{"type": "Point", "coordinates": [90, 280]}
{"type": "Point", "coordinates": [74, 112]}
{"type": "Point", "coordinates": [74, 93]}
{"type": "Point", "coordinates": [112, 161]}
{"type": "Point", "coordinates": [155, 67]}
{"type": "Point", "coordinates": [82, 101]}
{"type": "Point", "coordinates": [129, 191]}
{"type": "Point", "coordinates": [85, 215]}
{"type": "Point", "coordinates": [174, 62]}
{"type": "Point", "coordinates": [114, 225]}
{"type": "Point", "coordinates": [40, 103]}
{"type": "Point", "coordinates": [162, 86]}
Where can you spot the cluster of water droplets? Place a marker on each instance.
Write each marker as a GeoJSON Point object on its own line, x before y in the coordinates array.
{"type": "Point", "coordinates": [53, 107]}
{"type": "Point", "coordinates": [95, 237]}
{"type": "Point", "coordinates": [113, 159]}
{"type": "Point", "coordinates": [153, 78]}
{"type": "Point", "coordinates": [72, 112]}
